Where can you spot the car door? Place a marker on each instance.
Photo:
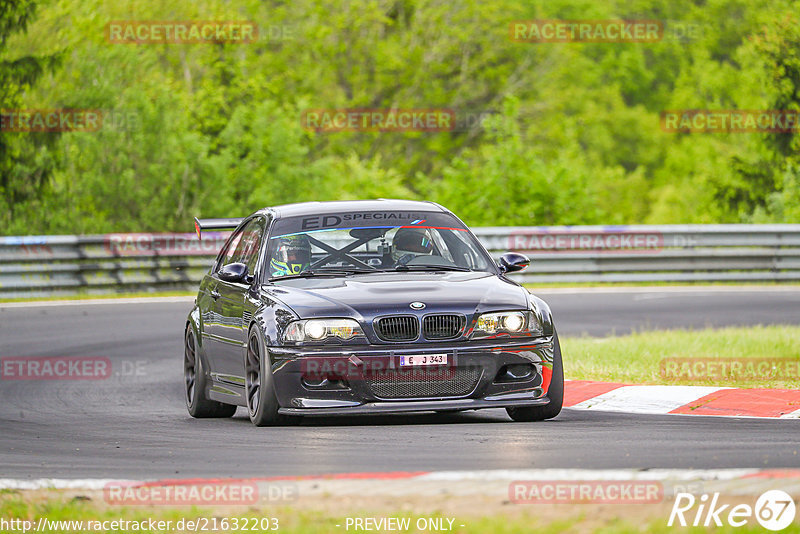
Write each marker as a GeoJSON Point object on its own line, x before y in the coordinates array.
{"type": "Point", "coordinates": [233, 309]}
{"type": "Point", "coordinates": [214, 327]}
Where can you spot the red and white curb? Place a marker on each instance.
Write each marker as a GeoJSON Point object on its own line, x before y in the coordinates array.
{"type": "Point", "coordinates": [682, 400]}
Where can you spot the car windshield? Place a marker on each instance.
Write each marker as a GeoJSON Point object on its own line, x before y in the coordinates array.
{"type": "Point", "coordinates": [357, 242]}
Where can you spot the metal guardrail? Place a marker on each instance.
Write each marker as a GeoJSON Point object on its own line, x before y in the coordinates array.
{"type": "Point", "coordinates": [40, 266]}
{"type": "Point", "coordinates": [645, 253]}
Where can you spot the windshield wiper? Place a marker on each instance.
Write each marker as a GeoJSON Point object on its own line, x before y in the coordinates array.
{"type": "Point", "coordinates": [431, 268]}
{"type": "Point", "coordinates": [303, 274]}
{"type": "Point", "coordinates": [356, 270]}
{"type": "Point", "coordinates": [346, 270]}
{"type": "Point", "coordinates": [321, 272]}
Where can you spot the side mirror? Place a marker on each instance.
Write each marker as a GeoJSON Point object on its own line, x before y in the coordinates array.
{"type": "Point", "coordinates": [512, 262]}
{"type": "Point", "coordinates": [235, 272]}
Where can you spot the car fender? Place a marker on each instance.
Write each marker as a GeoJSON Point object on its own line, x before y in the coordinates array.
{"type": "Point", "coordinates": [272, 317]}
{"type": "Point", "coordinates": [543, 314]}
{"type": "Point", "coordinates": [195, 321]}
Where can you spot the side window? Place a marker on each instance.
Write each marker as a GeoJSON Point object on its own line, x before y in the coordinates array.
{"type": "Point", "coordinates": [226, 256]}
{"type": "Point", "coordinates": [247, 248]}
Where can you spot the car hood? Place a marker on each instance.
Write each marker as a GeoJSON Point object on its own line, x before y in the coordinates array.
{"type": "Point", "coordinates": [371, 295]}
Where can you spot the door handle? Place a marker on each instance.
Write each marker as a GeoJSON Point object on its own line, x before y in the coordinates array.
{"type": "Point", "coordinates": [214, 294]}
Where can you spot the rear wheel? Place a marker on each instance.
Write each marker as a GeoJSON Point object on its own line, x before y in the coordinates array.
{"type": "Point", "coordinates": [262, 402]}
{"type": "Point", "coordinates": [194, 382]}
{"type": "Point", "coordinates": [555, 392]}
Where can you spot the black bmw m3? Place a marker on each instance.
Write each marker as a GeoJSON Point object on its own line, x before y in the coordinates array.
{"type": "Point", "coordinates": [365, 307]}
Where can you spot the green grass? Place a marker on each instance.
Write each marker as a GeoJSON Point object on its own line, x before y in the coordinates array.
{"type": "Point", "coordinates": [579, 518]}
{"type": "Point", "coordinates": [637, 358]}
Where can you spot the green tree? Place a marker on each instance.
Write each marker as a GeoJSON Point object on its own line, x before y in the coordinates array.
{"type": "Point", "coordinates": [25, 162]}
{"type": "Point", "coordinates": [779, 44]}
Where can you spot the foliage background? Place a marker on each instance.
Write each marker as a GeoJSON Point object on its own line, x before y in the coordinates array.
{"type": "Point", "coordinates": [573, 138]}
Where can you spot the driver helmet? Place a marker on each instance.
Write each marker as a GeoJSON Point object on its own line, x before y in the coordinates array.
{"type": "Point", "coordinates": [414, 241]}
{"type": "Point", "coordinates": [292, 255]}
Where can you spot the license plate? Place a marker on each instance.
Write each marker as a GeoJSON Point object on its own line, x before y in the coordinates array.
{"type": "Point", "coordinates": [423, 359]}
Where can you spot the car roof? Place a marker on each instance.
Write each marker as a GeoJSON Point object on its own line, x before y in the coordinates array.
{"type": "Point", "coordinates": [344, 206]}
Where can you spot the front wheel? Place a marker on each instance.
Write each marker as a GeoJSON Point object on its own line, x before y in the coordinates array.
{"type": "Point", "coordinates": [555, 392]}
{"type": "Point", "coordinates": [262, 402]}
{"type": "Point", "coordinates": [194, 383]}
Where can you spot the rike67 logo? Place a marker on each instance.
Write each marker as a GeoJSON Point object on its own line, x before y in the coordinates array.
{"type": "Point", "coordinates": [774, 510]}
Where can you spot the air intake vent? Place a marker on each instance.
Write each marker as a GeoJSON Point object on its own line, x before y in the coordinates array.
{"type": "Point", "coordinates": [397, 328]}
{"type": "Point", "coordinates": [424, 382]}
{"type": "Point", "coordinates": [443, 326]}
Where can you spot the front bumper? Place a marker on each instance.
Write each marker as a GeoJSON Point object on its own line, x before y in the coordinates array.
{"type": "Point", "coordinates": [368, 379]}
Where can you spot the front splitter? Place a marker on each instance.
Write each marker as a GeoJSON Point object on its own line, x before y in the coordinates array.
{"type": "Point", "coordinates": [374, 408]}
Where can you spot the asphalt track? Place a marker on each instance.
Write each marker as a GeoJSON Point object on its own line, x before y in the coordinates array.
{"type": "Point", "coordinates": [133, 425]}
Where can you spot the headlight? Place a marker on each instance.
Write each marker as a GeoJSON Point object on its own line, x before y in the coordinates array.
{"type": "Point", "coordinates": [512, 323]}
{"type": "Point", "coordinates": [320, 329]}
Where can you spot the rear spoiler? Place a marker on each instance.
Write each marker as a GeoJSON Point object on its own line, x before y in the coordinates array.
{"type": "Point", "coordinates": [215, 224]}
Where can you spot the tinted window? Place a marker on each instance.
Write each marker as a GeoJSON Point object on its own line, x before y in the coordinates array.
{"type": "Point", "coordinates": [372, 241]}
{"type": "Point", "coordinates": [244, 246]}
{"type": "Point", "coordinates": [247, 248]}
{"type": "Point", "coordinates": [226, 254]}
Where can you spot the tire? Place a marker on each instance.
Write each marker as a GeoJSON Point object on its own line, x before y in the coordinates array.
{"type": "Point", "coordinates": [555, 393]}
{"type": "Point", "coordinates": [194, 383]}
{"type": "Point", "coordinates": [262, 402]}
